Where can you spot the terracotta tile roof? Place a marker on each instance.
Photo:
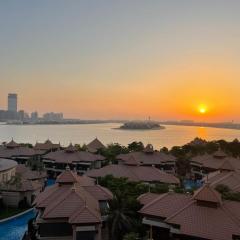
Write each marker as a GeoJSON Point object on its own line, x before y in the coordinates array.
{"type": "Point", "coordinates": [134, 173]}
{"type": "Point", "coordinates": [226, 165]}
{"type": "Point", "coordinates": [207, 223]}
{"type": "Point", "coordinates": [12, 144]}
{"type": "Point", "coordinates": [6, 164]}
{"type": "Point", "coordinates": [23, 185]}
{"type": "Point", "coordinates": [67, 177]}
{"type": "Point", "coordinates": [218, 222]}
{"type": "Point", "coordinates": [70, 148]}
{"type": "Point", "coordinates": [165, 205]}
{"type": "Point", "coordinates": [147, 197]}
{"type": "Point", "coordinates": [79, 204]}
{"type": "Point", "coordinates": [142, 158]}
{"type": "Point", "coordinates": [46, 146]}
{"type": "Point", "coordinates": [220, 154]}
{"type": "Point", "coordinates": [85, 215]}
{"type": "Point", "coordinates": [29, 174]}
{"type": "Point", "coordinates": [85, 181]}
{"type": "Point", "coordinates": [208, 194]}
{"type": "Point", "coordinates": [95, 145]}
{"type": "Point", "coordinates": [20, 151]}
{"type": "Point", "coordinates": [230, 179]}
{"type": "Point", "coordinates": [132, 161]}
{"type": "Point", "coordinates": [216, 163]}
{"type": "Point", "coordinates": [61, 156]}
{"type": "Point", "coordinates": [69, 203]}
{"type": "Point", "coordinates": [99, 192]}
{"type": "Point", "coordinates": [28, 180]}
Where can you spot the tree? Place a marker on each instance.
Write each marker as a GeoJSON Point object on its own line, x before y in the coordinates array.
{"type": "Point", "coordinates": [164, 150]}
{"type": "Point", "coordinates": [120, 217]}
{"type": "Point", "coordinates": [135, 146]}
{"type": "Point", "coordinates": [131, 236]}
{"type": "Point", "coordinates": [183, 166]}
{"type": "Point", "coordinates": [112, 150]}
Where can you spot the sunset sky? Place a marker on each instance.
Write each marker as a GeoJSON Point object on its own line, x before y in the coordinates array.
{"type": "Point", "coordinates": [122, 59]}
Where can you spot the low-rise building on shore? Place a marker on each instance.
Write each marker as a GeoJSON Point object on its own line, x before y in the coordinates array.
{"type": "Point", "coordinates": [95, 145]}
{"type": "Point", "coordinates": [80, 161]}
{"type": "Point", "coordinates": [73, 208]}
{"type": "Point", "coordinates": [149, 157]}
{"type": "Point", "coordinates": [134, 173]}
{"type": "Point", "coordinates": [225, 176]}
{"type": "Point", "coordinates": [7, 169]}
{"type": "Point", "coordinates": [22, 187]}
{"type": "Point", "coordinates": [17, 152]}
{"type": "Point", "coordinates": [202, 165]}
{"type": "Point", "coordinates": [202, 216]}
{"type": "Point", "coordinates": [47, 146]}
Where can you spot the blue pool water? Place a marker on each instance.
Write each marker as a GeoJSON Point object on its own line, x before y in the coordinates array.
{"type": "Point", "coordinates": [50, 182]}
{"type": "Point", "coordinates": [190, 184]}
{"type": "Point", "coordinates": [14, 229]}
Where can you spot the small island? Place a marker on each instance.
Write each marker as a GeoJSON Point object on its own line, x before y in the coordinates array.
{"type": "Point", "coordinates": [141, 125]}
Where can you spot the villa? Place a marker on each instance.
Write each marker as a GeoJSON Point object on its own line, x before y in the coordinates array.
{"type": "Point", "coordinates": [202, 165]}
{"type": "Point", "coordinates": [56, 162]}
{"type": "Point", "coordinates": [95, 146]}
{"type": "Point", "coordinates": [46, 147]}
{"type": "Point", "coordinates": [149, 157]}
{"type": "Point", "coordinates": [226, 176]}
{"type": "Point", "coordinates": [134, 173]}
{"type": "Point", "coordinates": [7, 169]}
{"type": "Point", "coordinates": [17, 152]}
{"type": "Point", "coordinates": [203, 216]}
{"type": "Point", "coordinates": [21, 185]}
{"type": "Point", "coordinates": [73, 208]}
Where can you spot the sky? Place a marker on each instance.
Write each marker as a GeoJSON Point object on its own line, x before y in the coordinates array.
{"type": "Point", "coordinates": [122, 59]}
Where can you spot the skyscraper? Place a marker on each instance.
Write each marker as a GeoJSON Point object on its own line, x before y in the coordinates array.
{"type": "Point", "coordinates": [12, 102]}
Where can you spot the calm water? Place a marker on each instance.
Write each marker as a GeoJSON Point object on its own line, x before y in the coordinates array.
{"type": "Point", "coordinates": [171, 136]}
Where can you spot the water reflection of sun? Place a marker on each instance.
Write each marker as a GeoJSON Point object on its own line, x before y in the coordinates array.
{"type": "Point", "coordinates": [202, 132]}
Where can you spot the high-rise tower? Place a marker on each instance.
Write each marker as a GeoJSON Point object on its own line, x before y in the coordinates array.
{"type": "Point", "coordinates": [12, 102]}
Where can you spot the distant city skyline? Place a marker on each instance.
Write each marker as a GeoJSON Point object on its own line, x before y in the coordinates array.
{"type": "Point", "coordinates": [123, 60]}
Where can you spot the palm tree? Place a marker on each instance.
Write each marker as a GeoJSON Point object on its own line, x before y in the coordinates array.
{"type": "Point", "coordinates": [120, 216]}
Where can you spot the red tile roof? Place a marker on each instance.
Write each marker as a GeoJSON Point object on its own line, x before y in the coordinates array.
{"type": "Point", "coordinates": [67, 177]}
{"type": "Point", "coordinates": [46, 146]}
{"type": "Point", "coordinates": [12, 144]}
{"type": "Point", "coordinates": [147, 197]}
{"type": "Point", "coordinates": [208, 194]}
{"type": "Point", "coordinates": [78, 203]}
{"type": "Point", "coordinates": [134, 173]}
{"type": "Point", "coordinates": [62, 156]}
{"type": "Point", "coordinates": [95, 145]}
{"type": "Point", "coordinates": [21, 151]}
{"type": "Point", "coordinates": [143, 158]}
{"type": "Point", "coordinates": [218, 222]}
{"type": "Point", "coordinates": [29, 174]}
{"type": "Point", "coordinates": [230, 179]}
{"type": "Point", "coordinates": [165, 204]}
{"type": "Point", "coordinates": [215, 162]}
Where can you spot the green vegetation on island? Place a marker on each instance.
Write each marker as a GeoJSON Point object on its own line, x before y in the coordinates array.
{"type": "Point", "coordinates": [141, 125]}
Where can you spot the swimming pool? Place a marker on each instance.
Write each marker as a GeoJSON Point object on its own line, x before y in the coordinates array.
{"type": "Point", "coordinates": [50, 182]}
{"type": "Point", "coordinates": [15, 228]}
{"type": "Point", "coordinates": [190, 184]}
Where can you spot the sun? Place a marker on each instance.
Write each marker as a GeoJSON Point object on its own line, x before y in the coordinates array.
{"type": "Point", "coordinates": [202, 109]}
